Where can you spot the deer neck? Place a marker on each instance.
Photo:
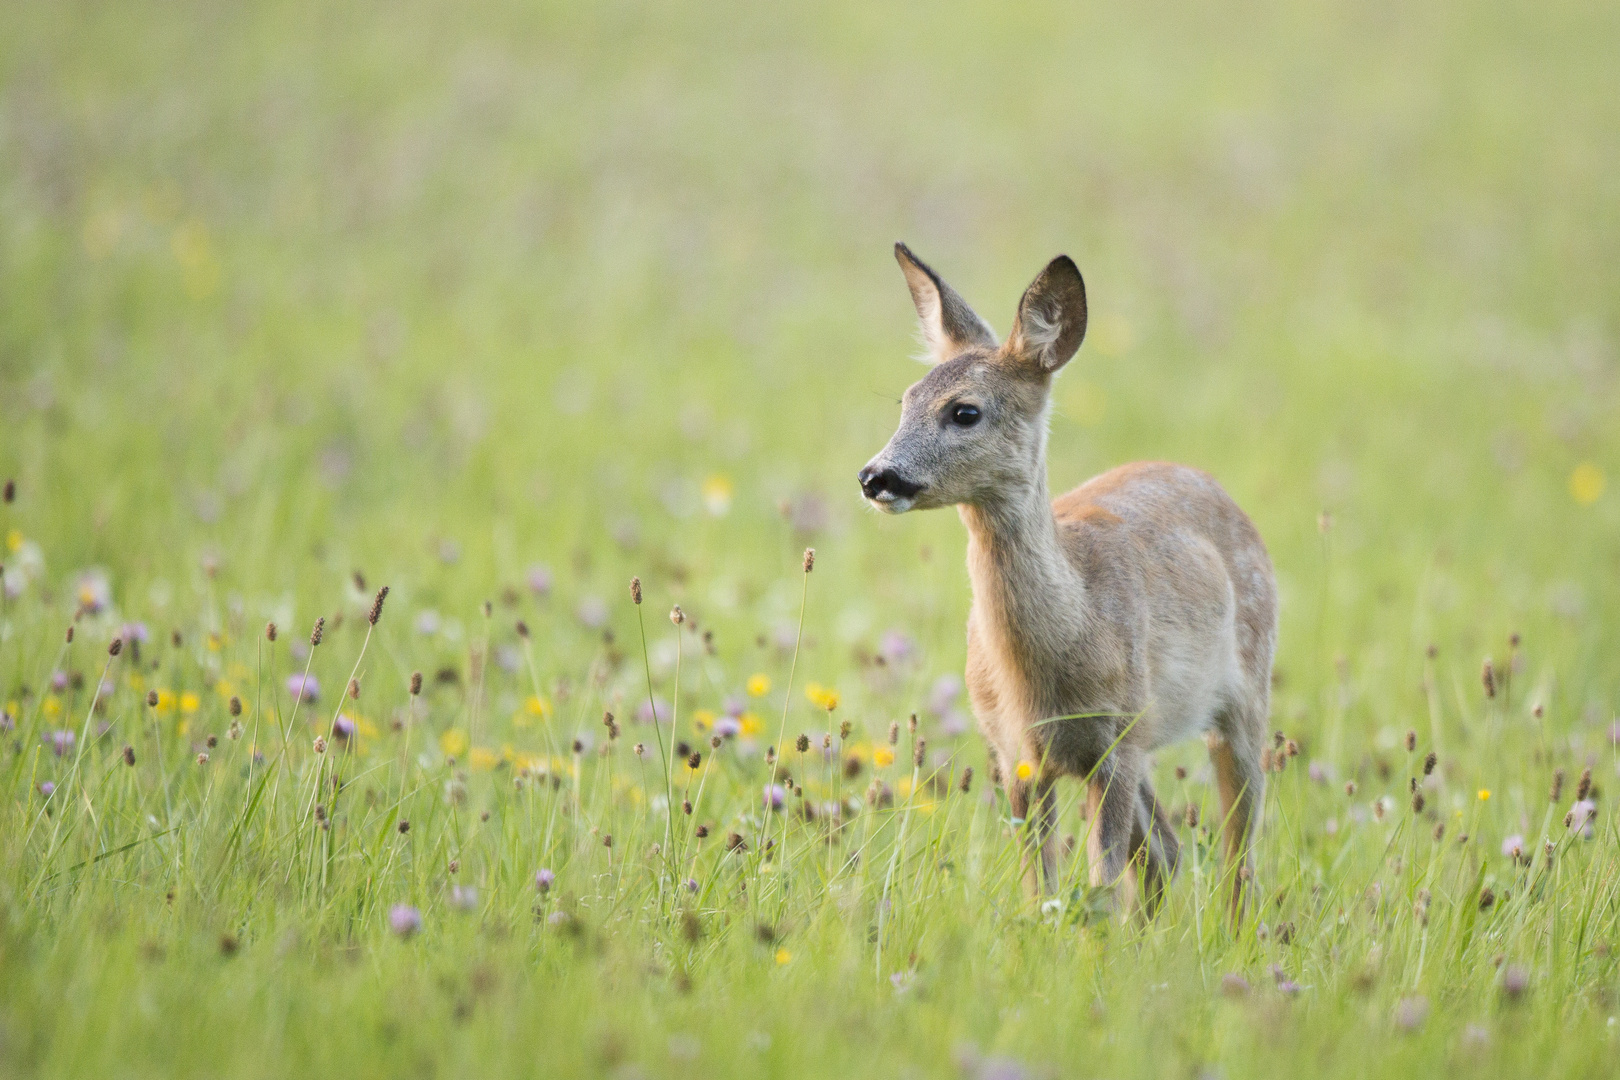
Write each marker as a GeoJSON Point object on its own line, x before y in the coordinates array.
{"type": "Point", "coordinates": [1029, 599]}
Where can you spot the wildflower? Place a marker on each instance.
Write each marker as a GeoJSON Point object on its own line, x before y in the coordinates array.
{"type": "Point", "coordinates": [783, 957]}
{"type": "Point", "coordinates": [1484, 794]}
{"type": "Point", "coordinates": [453, 742]}
{"type": "Point", "coordinates": [202, 759]}
{"type": "Point", "coordinates": [1410, 1012]}
{"type": "Point", "coordinates": [1515, 981]}
{"type": "Point", "coordinates": [635, 590]}
{"type": "Point", "coordinates": [1586, 483]}
{"type": "Point", "coordinates": [543, 879]}
{"type": "Point", "coordinates": [463, 897]}
{"type": "Point", "coordinates": [404, 920]}
{"type": "Point", "coordinates": [540, 580]}
{"type": "Point", "coordinates": [657, 708]}
{"type": "Point", "coordinates": [343, 728]}
{"type": "Point", "coordinates": [60, 741]}
{"type": "Point", "coordinates": [93, 591]}
{"type": "Point", "coordinates": [190, 702]}
{"type": "Point", "coordinates": [1579, 818]}
{"type": "Point", "coordinates": [303, 687]}
{"type": "Point", "coordinates": [47, 788]}
{"type": "Point", "coordinates": [320, 744]}
{"type": "Point", "coordinates": [1025, 770]}
{"type": "Point", "coordinates": [318, 632]}
{"type": "Point", "coordinates": [882, 757]}
{"type": "Point", "coordinates": [725, 728]}
{"type": "Point", "coordinates": [1317, 772]}
{"type": "Point", "coordinates": [759, 684]}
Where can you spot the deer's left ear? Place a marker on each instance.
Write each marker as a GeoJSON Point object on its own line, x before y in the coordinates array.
{"type": "Point", "coordinates": [1051, 319]}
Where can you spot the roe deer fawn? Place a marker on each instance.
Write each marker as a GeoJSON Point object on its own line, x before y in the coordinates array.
{"type": "Point", "coordinates": [1137, 610]}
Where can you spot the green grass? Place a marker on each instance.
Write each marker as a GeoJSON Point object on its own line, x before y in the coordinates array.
{"type": "Point", "coordinates": [441, 294]}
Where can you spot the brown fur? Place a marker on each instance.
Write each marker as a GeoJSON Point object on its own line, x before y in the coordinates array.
{"type": "Point", "coordinates": [1139, 608]}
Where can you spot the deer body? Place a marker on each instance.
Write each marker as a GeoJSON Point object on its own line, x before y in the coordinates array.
{"type": "Point", "coordinates": [1133, 612]}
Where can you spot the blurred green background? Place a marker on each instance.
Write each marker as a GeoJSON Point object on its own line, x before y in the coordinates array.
{"type": "Point", "coordinates": [442, 292]}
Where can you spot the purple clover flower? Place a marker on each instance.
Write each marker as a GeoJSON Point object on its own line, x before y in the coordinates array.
{"type": "Point", "coordinates": [404, 920]}
{"type": "Point", "coordinates": [656, 707]}
{"type": "Point", "coordinates": [47, 788]}
{"type": "Point", "coordinates": [60, 741]}
{"type": "Point", "coordinates": [728, 727]}
{"type": "Point", "coordinates": [775, 796]}
{"type": "Point", "coordinates": [543, 879]}
{"type": "Point", "coordinates": [540, 580]}
{"type": "Point", "coordinates": [59, 681]}
{"type": "Point", "coordinates": [343, 728]}
{"type": "Point", "coordinates": [304, 687]}
{"type": "Point", "coordinates": [135, 631]}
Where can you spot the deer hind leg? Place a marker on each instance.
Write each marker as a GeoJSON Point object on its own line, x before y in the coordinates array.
{"type": "Point", "coordinates": [1115, 809]}
{"type": "Point", "coordinates": [1234, 751]}
{"type": "Point", "coordinates": [1034, 811]}
{"type": "Point", "coordinates": [1156, 849]}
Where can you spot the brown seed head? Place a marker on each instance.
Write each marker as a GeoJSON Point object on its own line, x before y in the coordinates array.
{"type": "Point", "coordinates": [1557, 791]}
{"type": "Point", "coordinates": [635, 590]}
{"type": "Point", "coordinates": [404, 826]}
{"type": "Point", "coordinates": [1192, 815]}
{"type": "Point", "coordinates": [809, 559]}
{"type": "Point", "coordinates": [129, 755]}
{"type": "Point", "coordinates": [1584, 787]}
{"type": "Point", "coordinates": [694, 760]}
{"type": "Point", "coordinates": [1429, 762]}
{"type": "Point", "coordinates": [320, 744]}
{"type": "Point", "coordinates": [843, 730]}
{"type": "Point", "coordinates": [676, 615]}
{"type": "Point", "coordinates": [523, 630]}
{"type": "Point", "coordinates": [416, 683]}
{"type": "Point", "coordinates": [115, 647]}
{"type": "Point", "coordinates": [354, 689]}
{"type": "Point", "coordinates": [1417, 802]}
{"type": "Point", "coordinates": [1439, 831]}
{"type": "Point", "coordinates": [1487, 675]}
{"type": "Point", "coordinates": [70, 635]}
{"type": "Point", "coordinates": [270, 631]}
{"type": "Point", "coordinates": [918, 749]}
{"type": "Point", "coordinates": [11, 491]}
{"type": "Point", "coordinates": [1411, 741]}
{"type": "Point", "coordinates": [377, 606]}
{"type": "Point", "coordinates": [894, 733]}
{"type": "Point", "coordinates": [966, 783]}
{"type": "Point", "coordinates": [316, 634]}
{"type": "Point", "coordinates": [151, 699]}
{"type": "Point", "coordinates": [235, 705]}
{"type": "Point", "coordinates": [701, 832]}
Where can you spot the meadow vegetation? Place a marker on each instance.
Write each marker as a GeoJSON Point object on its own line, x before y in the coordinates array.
{"type": "Point", "coordinates": [500, 306]}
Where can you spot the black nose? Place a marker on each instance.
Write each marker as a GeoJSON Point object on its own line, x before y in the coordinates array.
{"type": "Point", "coordinates": [875, 482]}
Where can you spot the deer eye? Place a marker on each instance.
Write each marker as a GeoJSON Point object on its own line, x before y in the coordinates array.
{"type": "Point", "coordinates": [964, 415]}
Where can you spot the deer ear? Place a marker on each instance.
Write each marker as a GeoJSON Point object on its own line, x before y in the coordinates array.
{"type": "Point", "coordinates": [949, 326]}
{"type": "Point", "coordinates": [1051, 319]}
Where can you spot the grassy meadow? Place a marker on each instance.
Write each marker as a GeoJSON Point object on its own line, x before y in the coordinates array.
{"type": "Point", "coordinates": [500, 305]}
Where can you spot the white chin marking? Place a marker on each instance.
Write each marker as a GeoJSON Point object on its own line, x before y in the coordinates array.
{"type": "Point", "coordinates": [891, 504]}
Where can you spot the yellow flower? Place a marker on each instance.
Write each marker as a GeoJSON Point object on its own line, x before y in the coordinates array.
{"type": "Point", "coordinates": [14, 541]}
{"type": "Point", "coordinates": [214, 641]}
{"type": "Point", "coordinates": [136, 683]}
{"type": "Point", "coordinates": [364, 727]}
{"type": "Point", "coordinates": [750, 724]}
{"type": "Point", "coordinates": [1484, 793]}
{"type": "Point", "coordinates": [1025, 770]}
{"type": "Point", "coordinates": [52, 706]}
{"type": "Point", "coordinates": [759, 685]}
{"type": "Point", "coordinates": [883, 757]}
{"type": "Point", "coordinates": [190, 702]}
{"type": "Point", "coordinates": [703, 719]}
{"type": "Point", "coordinates": [483, 759]}
{"type": "Point", "coordinates": [824, 696]}
{"type": "Point", "coordinates": [537, 706]}
{"type": "Point", "coordinates": [224, 689]}
{"type": "Point", "coordinates": [453, 742]}
{"type": "Point", "coordinates": [165, 701]}
{"type": "Point", "coordinates": [1586, 483]}
{"type": "Point", "coordinates": [783, 956]}
{"type": "Point", "coordinates": [717, 492]}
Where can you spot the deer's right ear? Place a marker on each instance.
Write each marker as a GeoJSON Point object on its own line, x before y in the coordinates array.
{"type": "Point", "coordinates": [949, 326]}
